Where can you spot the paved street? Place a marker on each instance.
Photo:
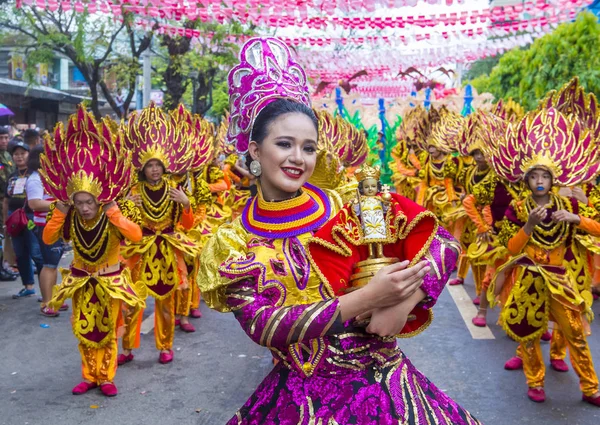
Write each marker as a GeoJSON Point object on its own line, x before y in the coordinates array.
{"type": "Point", "coordinates": [218, 367]}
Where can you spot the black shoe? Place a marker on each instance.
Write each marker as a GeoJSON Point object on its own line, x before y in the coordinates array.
{"type": "Point", "coordinates": [6, 276]}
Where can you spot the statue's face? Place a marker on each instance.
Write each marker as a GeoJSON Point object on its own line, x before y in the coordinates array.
{"type": "Point", "coordinates": [369, 187]}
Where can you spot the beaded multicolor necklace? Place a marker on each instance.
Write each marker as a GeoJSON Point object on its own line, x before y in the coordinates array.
{"type": "Point", "coordinates": [304, 213]}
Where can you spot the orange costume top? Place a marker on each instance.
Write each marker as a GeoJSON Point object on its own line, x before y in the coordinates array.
{"type": "Point", "coordinates": [95, 276]}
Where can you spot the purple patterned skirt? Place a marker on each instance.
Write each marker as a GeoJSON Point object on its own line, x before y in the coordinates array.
{"type": "Point", "coordinates": [357, 379]}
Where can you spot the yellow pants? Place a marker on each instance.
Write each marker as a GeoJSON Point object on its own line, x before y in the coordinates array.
{"type": "Point", "coordinates": [183, 301]}
{"type": "Point", "coordinates": [195, 296]}
{"type": "Point", "coordinates": [164, 324]}
{"type": "Point", "coordinates": [99, 365]}
{"type": "Point", "coordinates": [478, 272]}
{"type": "Point", "coordinates": [571, 326]}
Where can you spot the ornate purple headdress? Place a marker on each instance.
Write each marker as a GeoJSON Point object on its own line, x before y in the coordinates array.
{"type": "Point", "coordinates": [266, 73]}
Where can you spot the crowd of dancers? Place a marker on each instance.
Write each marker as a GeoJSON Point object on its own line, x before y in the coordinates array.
{"type": "Point", "coordinates": [276, 217]}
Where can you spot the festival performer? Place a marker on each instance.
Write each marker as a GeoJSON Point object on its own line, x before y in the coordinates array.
{"type": "Point", "coordinates": [486, 200]}
{"type": "Point", "coordinates": [547, 148]}
{"type": "Point", "coordinates": [259, 267]}
{"type": "Point", "coordinates": [439, 135]}
{"type": "Point", "coordinates": [86, 169]}
{"type": "Point", "coordinates": [159, 151]}
{"type": "Point", "coordinates": [408, 158]}
{"type": "Point", "coordinates": [201, 135]}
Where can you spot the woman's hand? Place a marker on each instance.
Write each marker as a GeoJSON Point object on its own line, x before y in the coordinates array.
{"type": "Point", "coordinates": [565, 216]}
{"type": "Point", "coordinates": [389, 321]}
{"type": "Point", "coordinates": [179, 196]}
{"type": "Point", "coordinates": [395, 283]}
{"type": "Point", "coordinates": [62, 207]}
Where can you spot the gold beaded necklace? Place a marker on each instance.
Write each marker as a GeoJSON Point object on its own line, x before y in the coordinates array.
{"type": "Point", "coordinates": [549, 235]}
{"type": "Point", "coordinates": [156, 211]}
{"type": "Point", "coordinates": [96, 250]}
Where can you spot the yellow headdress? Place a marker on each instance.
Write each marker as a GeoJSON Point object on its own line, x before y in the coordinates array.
{"type": "Point", "coordinates": [367, 172]}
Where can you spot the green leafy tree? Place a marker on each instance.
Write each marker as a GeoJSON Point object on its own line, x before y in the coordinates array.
{"type": "Point", "coordinates": [526, 75]}
{"type": "Point", "coordinates": [106, 52]}
{"type": "Point", "coordinates": [201, 67]}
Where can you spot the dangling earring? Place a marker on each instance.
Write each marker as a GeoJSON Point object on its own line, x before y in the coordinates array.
{"type": "Point", "coordinates": [255, 168]}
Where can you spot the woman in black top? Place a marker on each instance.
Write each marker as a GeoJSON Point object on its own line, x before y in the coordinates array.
{"type": "Point", "coordinates": [25, 244]}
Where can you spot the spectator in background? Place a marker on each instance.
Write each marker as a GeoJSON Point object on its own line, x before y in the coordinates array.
{"type": "Point", "coordinates": [31, 137]}
{"type": "Point", "coordinates": [7, 167]}
{"type": "Point", "coordinates": [39, 201]}
{"type": "Point", "coordinates": [25, 244]}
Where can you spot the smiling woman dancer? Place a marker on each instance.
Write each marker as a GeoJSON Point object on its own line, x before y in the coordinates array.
{"type": "Point", "coordinates": [329, 371]}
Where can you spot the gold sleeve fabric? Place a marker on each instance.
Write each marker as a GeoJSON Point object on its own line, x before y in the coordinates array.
{"type": "Point", "coordinates": [229, 242]}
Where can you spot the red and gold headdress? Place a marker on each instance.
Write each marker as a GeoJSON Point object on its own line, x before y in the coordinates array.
{"type": "Point", "coordinates": [340, 145]}
{"type": "Point", "coordinates": [572, 99]}
{"type": "Point", "coordinates": [508, 110]}
{"type": "Point", "coordinates": [201, 135]}
{"type": "Point", "coordinates": [482, 131]}
{"type": "Point", "coordinates": [550, 140]}
{"type": "Point", "coordinates": [152, 134]}
{"type": "Point", "coordinates": [445, 130]}
{"type": "Point", "coordinates": [87, 157]}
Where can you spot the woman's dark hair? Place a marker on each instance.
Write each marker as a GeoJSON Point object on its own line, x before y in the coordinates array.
{"type": "Point", "coordinates": [33, 163]}
{"type": "Point", "coordinates": [273, 111]}
{"type": "Point", "coordinates": [361, 190]}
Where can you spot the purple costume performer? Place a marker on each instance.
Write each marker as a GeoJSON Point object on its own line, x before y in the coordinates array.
{"type": "Point", "coordinates": [259, 268]}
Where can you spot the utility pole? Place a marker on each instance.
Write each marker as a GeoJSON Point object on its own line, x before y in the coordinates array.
{"type": "Point", "coordinates": [147, 77]}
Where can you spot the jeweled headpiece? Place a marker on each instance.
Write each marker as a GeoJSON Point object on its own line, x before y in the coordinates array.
{"type": "Point", "coordinates": [87, 157]}
{"type": "Point", "coordinates": [549, 140]}
{"type": "Point", "coordinates": [200, 132]}
{"type": "Point", "coordinates": [152, 134]}
{"type": "Point", "coordinates": [367, 172]}
{"type": "Point", "coordinates": [266, 73]}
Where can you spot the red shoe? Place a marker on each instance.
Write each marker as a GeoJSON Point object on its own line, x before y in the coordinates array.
{"type": "Point", "coordinates": [64, 307]}
{"type": "Point", "coordinates": [457, 281]}
{"type": "Point", "coordinates": [48, 312]}
{"type": "Point", "coordinates": [177, 322]}
{"type": "Point", "coordinates": [122, 358]}
{"type": "Point", "coordinates": [109, 389]}
{"type": "Point", "coordinates": [83, 387]}
{"type": "Point", "coordinates": [515, 363]}
{"type": "Point", "coordinates": [537, 395]}
{"type": "Point", "coordinates": [559, 365]}
{"type": "Point", "coordinates": [195, 313]}
{"type": "Point", "coordinates": [476, 301]}
{"type": "Point", "coordinates": [187, 327]}
{"type": "Point", "coordinates": [592, 400]}
{"type": "Point", "coordinates": [165, 358]}
{"type": "Point", "coordinates": [546, 336]}
{"type": "Point", "coordinates": [479, 321]}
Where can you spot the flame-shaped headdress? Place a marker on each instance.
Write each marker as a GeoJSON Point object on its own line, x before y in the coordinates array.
{"type": "Point", "coordinates": [87, 157]}
{"type": "Point", "coordinates": [340, 145]}
{"type": "Point", "coordinates": [442, 130]}
{"type": "Point", "coordinates": [482, 131]}
{"type": "Point", "coordinates": [508, 110]}
{"type": "Point", "coordinates": [153, 134]}
{"type": "Point", "coordinates": [550, 140]}
{"type": "Point", "coordinates": [266, 73]}
{"type": "Point", "coordinates": [408, 130]}
{"type": "Point", "coordinates": [200, 132]}
{"type": "Point", "coordinates": [572, 99]}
